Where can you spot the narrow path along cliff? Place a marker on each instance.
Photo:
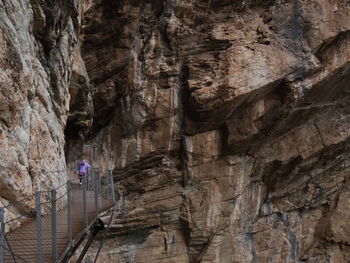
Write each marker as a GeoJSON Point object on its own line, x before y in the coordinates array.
{"type": "Point", "coordinates": [57, 222]}
{"type": "Point", "coordinates": [226, 123]}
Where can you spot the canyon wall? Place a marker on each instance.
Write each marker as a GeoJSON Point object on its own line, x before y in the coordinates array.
{"type": "Point", "coordinates": [226, 124]}
{"type": "Point", "coordinates": [38, 43]}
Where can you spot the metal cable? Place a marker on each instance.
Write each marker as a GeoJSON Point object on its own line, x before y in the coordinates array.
{"type": "Point", "coordinates": [36, 224]}
{"type": "Point", "coordinates": [104, 236]}
{"type": "Point", "coordinates": [22, 259]}
{"type": "Point", "coordinates": [13, 256]}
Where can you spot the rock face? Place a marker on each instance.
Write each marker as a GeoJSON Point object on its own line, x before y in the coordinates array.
{"type": "Point", "coordinates": [227, 126]}
{"type": "Point", "coordinates": [226, 123]}
{"type": "Point", "coordinates": [37, 42]}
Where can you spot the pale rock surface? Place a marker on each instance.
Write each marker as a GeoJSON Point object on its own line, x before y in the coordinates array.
{"type": "Point", "coordinates": [37, 43]}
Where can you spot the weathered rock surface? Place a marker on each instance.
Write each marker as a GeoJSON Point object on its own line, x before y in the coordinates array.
{"type": "Point", "coordinates": [227, 126]}
{"type": "Point", "coordinates": [226, 123]}
{"type": "Point", "coordinates": [37, 42]}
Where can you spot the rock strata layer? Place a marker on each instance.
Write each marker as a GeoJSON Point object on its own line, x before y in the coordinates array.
{"type": "Point", "coordinates": [226, 123]}
{"type": "Point", "coordinates": [227, 128]}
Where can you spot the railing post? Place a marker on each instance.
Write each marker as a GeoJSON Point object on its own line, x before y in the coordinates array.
{"type": "Point", "coordinates": [99, 181]}
{"type": "Point", "coordinates": [96, 195]}
{"type": "Point", "coordinates": [108, 186]}
{"type": "Point", "coordinates": [92, 179]}
{"type": "Point", "coordinates": [87, 179]}
{"type": "Point", "coordinates": [112, 185]}
{"type": "Point", "coordinates": [86, 218]}
{"type": "Point", "coordinates": [2, 235]}
{"type": "Point", "coordinates": [39, 227]}
{"type": "Point", "coordinates": [53, 225]}
{"type": "Point", "coordinates": [69, 213]}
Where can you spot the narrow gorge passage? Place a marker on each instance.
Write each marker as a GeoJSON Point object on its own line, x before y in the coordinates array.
{"type": "Point", "coordinates": [226, 123]}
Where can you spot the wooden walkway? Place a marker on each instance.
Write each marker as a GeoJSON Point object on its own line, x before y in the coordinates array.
{"type": "Point", "coordinates": [23, 240]}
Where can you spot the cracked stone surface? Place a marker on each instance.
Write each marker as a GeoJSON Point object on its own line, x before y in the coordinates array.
{"type": "Point", "coordinates": [37, 43]}
{"type": "Point", "coordinates": [226, 123]}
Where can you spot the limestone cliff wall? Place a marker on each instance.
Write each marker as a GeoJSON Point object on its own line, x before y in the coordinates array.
{"type": "Point", "coordinates": [38, 42]}
{"type": "Point", "coordinates": [227, 126]}
{"type": "Point", "coordinates": [226, 123]}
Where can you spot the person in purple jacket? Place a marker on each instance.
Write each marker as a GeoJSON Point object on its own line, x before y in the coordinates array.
{"type": "Point", "coordinates": [83, 170]}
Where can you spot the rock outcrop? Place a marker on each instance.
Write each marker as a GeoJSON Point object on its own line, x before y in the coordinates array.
{"type": "Point", "coordinates": [227, 126]}
{"type": "Point", "coordinates": [226, 123]}
{"type": "Point", "coordinates": [37, 42]}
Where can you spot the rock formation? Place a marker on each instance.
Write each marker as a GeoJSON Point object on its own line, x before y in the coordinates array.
{"type": "Point", "coordinates": [226, 123]}
{"type": "Point", "coordinates": [38, 40]}
{"type": "Point", "coordinates": [227, 126]}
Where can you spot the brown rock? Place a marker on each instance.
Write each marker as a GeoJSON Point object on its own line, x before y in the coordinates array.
{"type": "Point", "coordinates": [226, 123]}
{"type": "Point", "coordinates": [230, 124]}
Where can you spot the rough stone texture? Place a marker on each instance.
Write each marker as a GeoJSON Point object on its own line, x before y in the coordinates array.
{"type": "Point", "coordinates": [227, 126]}
{"type": "Point", "coordinates": [37, 43]}
{"type": "Point", "coordinates": [226, 123]}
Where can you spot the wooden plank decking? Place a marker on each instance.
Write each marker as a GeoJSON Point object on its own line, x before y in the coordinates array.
{"type": "Point", "coordinates": [23, 240]}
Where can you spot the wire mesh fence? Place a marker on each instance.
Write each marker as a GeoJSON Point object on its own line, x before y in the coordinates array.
{"type": "Point", "coordinates": [45, 227]}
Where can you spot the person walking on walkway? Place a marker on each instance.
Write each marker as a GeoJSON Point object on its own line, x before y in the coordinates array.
{"type": "Point", "coordinates": [83, 170]}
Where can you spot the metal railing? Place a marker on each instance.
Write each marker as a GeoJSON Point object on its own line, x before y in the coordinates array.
{"type": "Point", "coordinates": [45, 226]}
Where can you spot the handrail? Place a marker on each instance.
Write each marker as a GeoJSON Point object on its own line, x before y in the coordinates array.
{"type": "Point", "coordinates": [48, 217]}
